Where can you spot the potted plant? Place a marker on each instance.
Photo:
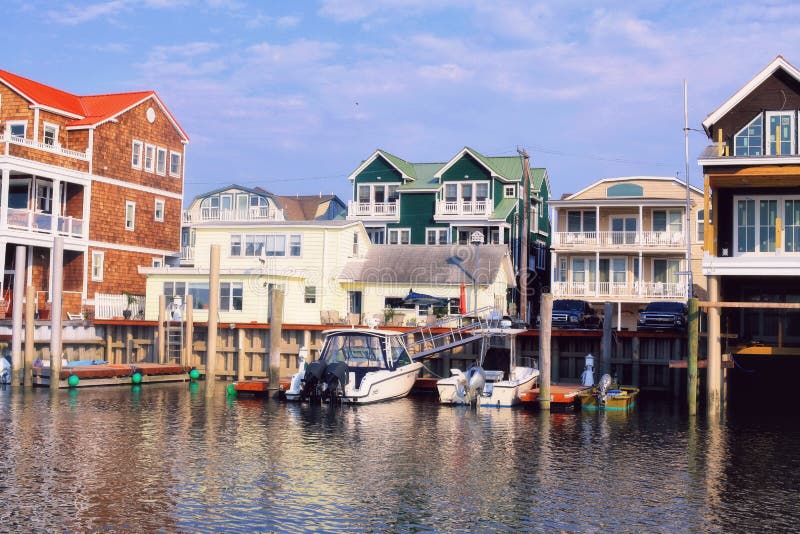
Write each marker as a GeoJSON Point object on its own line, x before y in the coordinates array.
{"type": "Point", "coordinates": [388, 315]}
{"type": "Point", "coordinates": [127, 312]}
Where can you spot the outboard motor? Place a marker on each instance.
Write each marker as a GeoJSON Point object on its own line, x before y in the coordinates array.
{"type": "Point", "coordinates": [587, 378]}
{"type": "Point", "coordinates": [312, 381]}
{"type": "Point", "coordinates": [5, 370]}
{"type": "Point", "coordinates": [334, 381]}
{"type": "Point", "coordinates": [602, 389]}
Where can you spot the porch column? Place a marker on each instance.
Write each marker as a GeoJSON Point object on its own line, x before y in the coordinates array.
{"type": "Point", "coordinates": [597, 273]}
{"type": "Point", "coordinates": [87, 198]}
{"type": "Point", "coordinates": [4, 198]}
{"type": "Point", "coordinates": [639, 225]}
{"type": "Point", "coordinates": [713, 371]}
{"type": "Point", "coordinates": [641, 273]}
{"type": "Point", "coordinates": [554, 272]}
{"type": "Point", "coordinates": [597, 224]}
{"type": "Point", "coordinates": [55, 206]}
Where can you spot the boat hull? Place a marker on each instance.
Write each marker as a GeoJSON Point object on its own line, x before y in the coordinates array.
{"type": "Point", "coordinates": [507, 393]}
{"type": "Point", "coordinates": [621, 399]}
{"type": "Point", "coordinates": [376, 386]}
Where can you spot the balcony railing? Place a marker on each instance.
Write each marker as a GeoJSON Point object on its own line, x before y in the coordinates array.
{"type": "Point", "coordinates": [187, 253]}
{"type": "Point", "coordinates": [643, 290]}
{"type": "Point", "coordinates": [43, 222]}
{"type": "Point", "coordinates": [462, 207]}
{"type": "Point", "coordinates": [372, 209]}
{"type": "Point", "coordinates": [252, 213]}
{"type": "Point", "coordinates": [618, 239]}
{"type": "Point", "coordinates": [55, 149]}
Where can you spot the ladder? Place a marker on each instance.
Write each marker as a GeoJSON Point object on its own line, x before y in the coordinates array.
{"type": "Point", "coordinates": [430, 342]}
{"type": "Point", "coordinates": [174, 341]}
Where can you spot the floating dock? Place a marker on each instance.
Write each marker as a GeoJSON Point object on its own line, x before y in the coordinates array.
{"type": "Point", "coordinates": [563, 395]}
{"type": "Point", "coordinates": [105, 374]}
{"type": "Point", "coordinates": [258, 386]}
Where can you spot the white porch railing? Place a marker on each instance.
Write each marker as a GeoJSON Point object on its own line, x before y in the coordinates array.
{"type": "Point", "coordinates": [636, 239]}
{"type": "Point", "coordinates": [252, 213]}
{"type": "Point", "coordinates": [55, 149]}
{"type": "Point", "coordinates": [372, 209]}
{"type": "Point", "coordinates": [644, 290]}
{"type": "Point", "coordinates": [187, 253]}
{"type": "Point", "coordinates": [109, 306]}
{"type": "Point", "coordinates": [461, 207]}
{"type": "Point", "coordinates": [43, 222]}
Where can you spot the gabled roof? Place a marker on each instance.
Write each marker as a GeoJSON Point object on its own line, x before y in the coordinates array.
{"type": "Point", "coordinates": [87, 111]}
{"type": "Point", "coordinates": [305, 207]}
{"type": "Point", "coordinates": [539, 178]}
{"type": "Point", "coordinates": [405, 168]}
{"type": "Point", "coordinates": [778, 63]}
{"type": "Point", "coordinates": [507, 168]}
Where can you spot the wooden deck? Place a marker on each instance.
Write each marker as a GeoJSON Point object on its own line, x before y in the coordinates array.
{"type": "Point", "coordinates": [105, 374]}
{"type": "Point", "coordinates": [560, 394]}
{"type": "Point", "coordinates": [258, 386]}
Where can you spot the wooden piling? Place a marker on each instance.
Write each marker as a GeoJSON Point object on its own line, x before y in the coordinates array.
{"type": "Point", "coordinates": [635, 360]}
{"type": "Point", "coordinates": [605, 350]}
{"type": "Point", "coordinates": [30, 330]}
{"type": "Point", "coordinates": [240, 354]}
{"type": "Point", "coordinates": [187, 354]}
{"type": "Point", "coordinates": [162, 318]}
{"type": "Point", "coordinates": [16, 317]}
{"type": "Point", "coordinates": [546, 318]}
{"type": "Point", "coordinates": [714, 369]}
{"type": "Point", "coordinates": [213, 319]}
{"type": "Point", "coordinates": [275, 333]}
{"type": "Point", "coordinates": [56, 298]}
{"type": "Point", "coordinates": [693, 335]}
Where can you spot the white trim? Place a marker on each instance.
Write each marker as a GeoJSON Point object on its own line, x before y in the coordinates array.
{"type": "Point", "coordinates": [747, 160]}
{"type": "Point", "coordinates": [55, 127]}
{"type": "Point", "coordinates": [438, 230]}
{"type": "Point", "coordinates": [137, 187]}
{"type": "Point", "coordinates": [161, 169]}
{"type": "Point", "coordinates": [9, 124]}
{"type": "Point", "coordinates": [160, 261]}
{"type": "Point", "coordinates": [130, 248]}
{"type": "Point", "coordinates": [152, 165]}
{"type": "Point", "coordinates": [628, 179]}
{"type": "Point", "coordinates": [180, 159]}
{"type": "Point", "coordinates": [399, 232]}
{"type": "Point", "coordinates": [513, 188]}
{"type": "Point", "coordinates": [102, 255]}
{"type": "Point", "coordinates": [134, 144]}
{"type": "Point", "coordinates": [748, 88]}
{"type": "Point", "coordinates": [163, 204]}
{"type": "Point", "coordinates": [372, 158]}
{"type": "Point", "coordinates": [130, 224]}
{"type": "Point", "coordinates": [792, 133]}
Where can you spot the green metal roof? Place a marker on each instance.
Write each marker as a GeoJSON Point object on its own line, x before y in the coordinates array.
{"type": "Point", "coordinates": [404, 166]}
{"type": "Point", "coordinates": [423, 173]}
{"type": "Point", "coordinates": [537, 178]}
{"type": "Point", "coordinates": [504, 209]}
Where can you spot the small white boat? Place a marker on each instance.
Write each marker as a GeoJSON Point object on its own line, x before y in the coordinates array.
{"type": "Point", "coordinates": [357, 366]}
{"type": "Point", "coordinates": [507, 393]}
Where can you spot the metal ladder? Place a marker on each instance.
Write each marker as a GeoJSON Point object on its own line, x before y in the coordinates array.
{"type": "Point", "coordinates": [430, 342]}
{"type": "Point", "coordinates": [174, 340]}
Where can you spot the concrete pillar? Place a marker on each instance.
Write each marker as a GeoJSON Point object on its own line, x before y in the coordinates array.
{"type": "Point", "coordinates": [56, 297]}
{"type": "Point", "coordinates": [16, 318]}
{"type": "Point", "coordinates": [713, 372]}
{"type": "Point", "coordinates": [213, 314]}
{"type": "Point", "coordinates": [605, 350]}
{"type": "Point", "coordinates": [546, 318]}
{"type": "Point", "coordinates": [240, 354]}
{"type": "Point", "coordinates": [275, 332]}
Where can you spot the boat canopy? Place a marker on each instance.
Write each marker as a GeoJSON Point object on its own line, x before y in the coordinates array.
{"type": "Point", "coordinates": [364, 349]}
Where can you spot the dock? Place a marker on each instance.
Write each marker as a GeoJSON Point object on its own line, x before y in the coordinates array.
{"type": "Point", "coordinates": [258, 386]}
{"type": "Point", "coordinates": [560, 394]}
{"type": "Point", "coordinates": [106, 374]}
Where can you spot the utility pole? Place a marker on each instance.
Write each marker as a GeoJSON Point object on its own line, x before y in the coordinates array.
{"type": "Point", "coordinates": [688, 232]}
{"type": "Point", "coordinates": [524, 236]}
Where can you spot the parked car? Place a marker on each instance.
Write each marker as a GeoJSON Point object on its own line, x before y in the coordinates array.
{"type": "Point", "coordinates": [663, 316]}
{"type": "Point", "coordinates": [568, 313]}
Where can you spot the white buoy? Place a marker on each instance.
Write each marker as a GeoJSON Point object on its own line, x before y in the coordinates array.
{"type": "Point", "coordinates": [587, 378]}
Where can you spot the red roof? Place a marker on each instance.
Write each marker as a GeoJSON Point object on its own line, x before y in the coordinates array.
{"type": "Point", "coordinates": [91, 110]}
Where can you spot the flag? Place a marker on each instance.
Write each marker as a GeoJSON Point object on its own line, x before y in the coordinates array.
{"type": "Point", "coordinates": [462, 301]}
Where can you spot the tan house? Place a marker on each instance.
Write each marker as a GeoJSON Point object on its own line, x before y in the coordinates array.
{"type": "Point", "coordinates": [624, 240]}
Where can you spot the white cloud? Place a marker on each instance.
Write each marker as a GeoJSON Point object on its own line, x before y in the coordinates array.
{"type": "Point", "coordinates": [71, 14]}
{"type": "Point", "coordinates": [296, 53]}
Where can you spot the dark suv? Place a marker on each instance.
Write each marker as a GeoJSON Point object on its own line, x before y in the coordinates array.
{"type": "Point", "coordinates": [663, 316]}
{"type": "Point", "coordinates": [574, 314]}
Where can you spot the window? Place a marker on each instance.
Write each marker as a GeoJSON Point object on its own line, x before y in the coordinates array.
{"type": "Point", "coordinates": [666, 271]}
{"type": "Point", "coordinates": [136, 154]}
{"type": "Point", "coordinates": [623, 230]}
{"type": "Point", "coordinates": [130, 215]}
{"type": "Point", "coordinates": [562, 270]}
{"type": "Point", "coordinates": [363, 193]}
{"type": "Point", "coordinates": [377, 236]}
{"type": "Point", "coordinates": [149, 157]}
{"type": "Point", "coordinates": [161, 161]}
{"type": "Point", "coordinates": [791, 215]}
{"type": "Point", "coordinates": [310, 295]}
{"type": "Point", "coordinates": [436, 236]}
{"type": "Point", "coordinates": [451, 192]}
{"type": "Point", "coordinates": [230, 296]}
{"type": "Point", "coordinates": [199, 293]}
{"type": "Point", "coordinates": [399, 236]}
{"type": "Point", "coordinates": [700, 226]}
{"type": "Point", "coordinates": [174, 289]}
{"type": "Point", "coordinates": [581, 221]}
{"type": "Point", "coordinates": [583, 270]}
{"type": "Point", "coordinates": [236, 245]}
{"type": "Point", "coordinates": [392, 193]}
{"type": "Point", "coordinates": [175, 164]}
{"type": "Point", "coordinates": [749, 141]}
{"type": "Point", "coordinates": [509, 191]}
{"type": "Point", "coordinates": [50, 134]}
{"type": "Point", "coordinates": [295, 242]}
{"type": "Point", "coordinates": [780, 132]}
{"type": "Point", "coordinates": [767, 215]}
{"type": "Point", "coordinates": [481, 191]}
{"type": "Point", "coordinates": [275, 245]}
{"type": "Point", "coordinates": [158, 262]}
{"type": "Point", "coordinates": [619, 270]}
{"type": "Point", "coordinates": [355, 243]}
{"type": "Point", "coordinates": [17, 128]}
{"type": "Point", "coordinates": [98, 258]}
{"type": "Point", "coordinates": [158, 210]}
{"type": "Point", "coordinates": [745, 225]}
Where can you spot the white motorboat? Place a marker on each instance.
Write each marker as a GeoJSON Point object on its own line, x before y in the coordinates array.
{"type": "Point", "coordinates": [357, 366]}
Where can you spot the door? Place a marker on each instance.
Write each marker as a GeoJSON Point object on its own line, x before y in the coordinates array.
{"type": "Point", "coordinates": [623, 230]}
{"type": "Point", "coordinates": [242, 201]}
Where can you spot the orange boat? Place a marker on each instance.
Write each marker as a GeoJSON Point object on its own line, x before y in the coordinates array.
{"type": "Point", "coordinates": [564, 395]}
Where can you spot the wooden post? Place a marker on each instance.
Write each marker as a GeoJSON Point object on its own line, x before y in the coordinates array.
{"type": "Point", "coordinates": [162, 331]}
{"type": "Point", "coordinates": [555, 356]}
{"type": "Point", "coordinates": [110, 345]}
{"type": "Point", "coordinates": [307, 343]}
{"type": "Point", "coordinates": [16, 318]}
{"type": "Point", "coordinates": [55, 310]}
{"type": "Point", "coordinates": [30, 330]}
{"type": "Point", "coordinates": [213, 319]}
{"type": "Point", "coordinates": [129, 345]}
{"type": "Point", "coordinates": [240, 355]}
{"type": "Point", "coordinates": [546, 321]}
{"type": "Point", "coordinates": [275, 334]}
{"type": "Point", "coordinates": [693, 336]}
{"type": "Point", "coordinates": [713, 372]}
{"type": "Point", "coordinates": [187, 354]}
{"type": "Point", "coordinates": [635, 357]}
{"type": "Point", "coordinates": [605, 350]}
{"type": "Point", "coordinates": [677, 350]}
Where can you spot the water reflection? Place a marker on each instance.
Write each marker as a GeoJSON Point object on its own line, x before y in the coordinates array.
{"type": "Point", "coordinates": [165, 457]}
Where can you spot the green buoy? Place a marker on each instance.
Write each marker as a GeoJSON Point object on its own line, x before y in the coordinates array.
{"type": "Point", "coordinates": [231, 390]}
{"type": "Point", "coordinates": [194, 374]}
{"type": "Point", "coordinates": [136, 378]}
{"type": "Point", "coordinates": [73, 381]}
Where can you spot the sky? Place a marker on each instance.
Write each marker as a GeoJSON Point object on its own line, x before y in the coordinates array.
{"type": "Point", "coordinates": [293, 95]}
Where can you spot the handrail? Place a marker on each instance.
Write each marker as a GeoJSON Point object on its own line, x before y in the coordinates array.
{"type": "Point", "coordinates": [430, 342]}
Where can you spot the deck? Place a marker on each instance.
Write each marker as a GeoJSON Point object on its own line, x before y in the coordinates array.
{"type": "Point", "coordinates": [105, 374]}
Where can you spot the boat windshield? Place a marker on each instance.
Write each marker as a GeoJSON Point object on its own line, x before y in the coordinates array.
{"type": "Point", "coordinates": [398, 353]}
{"type": "Point", "coordinates": [355, 350]}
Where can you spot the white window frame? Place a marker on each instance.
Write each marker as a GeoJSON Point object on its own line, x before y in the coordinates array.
{"type": "Point", "coordinates": [780, 214]}
{"type": "Point", "coordinates": [398, 234]}
{"type": "Point", "coordinates": [228, 305]}
{"type": "Point", "coordinates": [768, 133]}
{"type": "Point", "coordinates": [54, 128]}
{"type": "Point", "coordinates": [137, 156]}
{"type": "Point", "coordinates": [130, 222]}
{"type": "Point", "coordinates": [299, 239]}
{"type": "Point", "coordinates": [11, 124]}
{"type": "Point", "coordinates": [177, 172]}
{"type": "Point", "coordinates": [439, 232]}
{"type": "Point", "coordinates": [509, 191]}
{"type": "Point", "coordinates": [159, 204]}
{"type": "Point", "coordinates": [677, 279]}
{"type": "Point", "coordinates": [161, 162]}
{"type": "Point", "coordinates": [310, 295]}
{"type": "Point", "coordinates": [98, 265]}
{"type": "Point", "coordinates": [355, 243]}
{"type": "Point", "coordinates": [158, 262]}
{"type": "Point", "coordinates": [152, 150]}
{"type": "Point", "coordinates": [699, 225]}
{"type": "Point", "coordinates": [760, 118]}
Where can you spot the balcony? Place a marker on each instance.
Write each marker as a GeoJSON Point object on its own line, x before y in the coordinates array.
{"type": "Point", "coordinates": [620, 290]}
{"type": "Point", "coordinates": [464, 208]}
{"type": "Point", "coordinates": [252, 213]}
{"type": "Point", "coordinates": [376, 210]}
{"type": "Point", "coordinates": [187, 253]}
{"type": "Point", "coordinates": [32, 221]}
{"type": "Point", "coordinates": [38, 145]}
{"type": "Point", "coordinates": [594, 240]}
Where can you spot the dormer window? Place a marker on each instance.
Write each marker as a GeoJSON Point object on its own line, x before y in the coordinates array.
{"type": "Point", "coordinates": [749, 141]}
{"type": "Point", "coordinates": [780, 131]}
{"type": "Point", "coordinates": [509, 191]}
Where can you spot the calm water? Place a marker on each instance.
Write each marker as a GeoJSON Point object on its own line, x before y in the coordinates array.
{"type": "Point", "coordinates": [164, 458]}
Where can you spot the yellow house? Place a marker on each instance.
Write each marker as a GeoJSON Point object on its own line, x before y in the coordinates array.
{"type": "Point", "coordinates": [626, 241]}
